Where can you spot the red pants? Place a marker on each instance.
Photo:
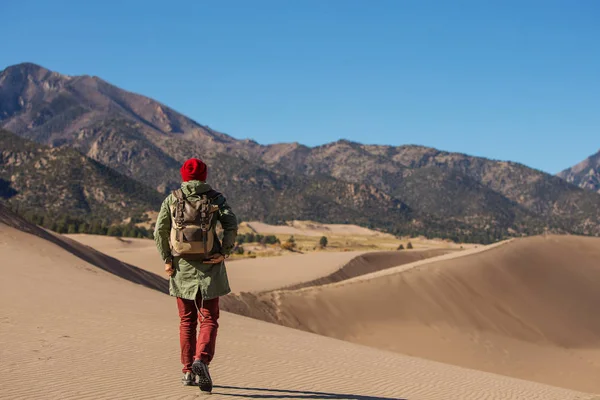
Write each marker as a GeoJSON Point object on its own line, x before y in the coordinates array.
{"type": "Point", "coordinates": [202, 348]}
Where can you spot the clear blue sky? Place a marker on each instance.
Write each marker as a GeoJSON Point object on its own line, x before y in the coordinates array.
{"type": "Point", "coordinates": [512, 80]}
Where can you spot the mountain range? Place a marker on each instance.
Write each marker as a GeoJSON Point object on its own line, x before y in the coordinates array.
{"type": "Point", "coordinates": [59, 181]}
{"type": "Point", "coordinates": [403, 190]}
{"type": "Point", "coordinates": [586, 174]}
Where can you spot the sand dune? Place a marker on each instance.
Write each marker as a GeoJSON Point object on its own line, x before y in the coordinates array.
{"type": "Point", "coordinates": [528, 308]}
{"type": "Point", "coordinates": [268, 273]}
{"type": "Point", "coordinates": [367, 263]}
{"type": "Point", "coordinates": [309, 228]}
{"type": "Point", "coordinates": [246, 275]}
{"type": "Point", "coordinates": [88, 254]}
{"type": "Point", "coordinates": [70, 330]}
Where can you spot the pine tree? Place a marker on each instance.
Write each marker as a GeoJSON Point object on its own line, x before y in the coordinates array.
{"type": "Point", "coordinates": [271, 239]}
{"type": "Point", "coordinates": [323, 242]}
{"type": "Point", "coordinates": [115, 230]}
{"type": "Point", "coordinates": [83, 228]}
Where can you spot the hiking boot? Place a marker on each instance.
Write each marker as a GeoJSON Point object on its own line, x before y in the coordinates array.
{"type": "Point", "coordinates": [189, 379]}
{"type": "Point", "coordinates": [204, 380]}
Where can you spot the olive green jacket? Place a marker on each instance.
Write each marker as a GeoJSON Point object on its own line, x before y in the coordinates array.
{"type": "Point", "coordinates": [193, 276]}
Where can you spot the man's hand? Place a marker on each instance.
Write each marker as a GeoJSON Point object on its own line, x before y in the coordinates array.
{"type": "Point", "coordinates": [169, 269]}
{"type": "Point", "coordinates": [215, 259]}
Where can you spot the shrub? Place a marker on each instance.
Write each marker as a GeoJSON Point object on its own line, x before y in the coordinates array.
{"type": "Point", "coordinates": [289, 244]}
{"type": "Point", "coordinates": [323, 241]}
{"type": "Point", "coordinates": [271, 239]}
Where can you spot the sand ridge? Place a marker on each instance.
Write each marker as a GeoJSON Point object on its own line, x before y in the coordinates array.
{"type": "Point", "coordinates": [85, 253]}
{"type": "Point", "coordinates": [367, 264]}
{"type": "Point", "coordinates": [525, 308]}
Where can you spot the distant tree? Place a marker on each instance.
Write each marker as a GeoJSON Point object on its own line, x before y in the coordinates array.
{"type": "Point", "coordinates": [96, 228]}
{"type": "Point", "coordinates": [271, 239]}
{"type": "Point", "coordinates": [289, 244]}
{"type": "Point", "coordinates": [323, 241]}
{"type": "Point", "coordinates": [148, 233]}
{"type": "Point", "coordinates": [239, 250]}
{"type": "Point", "coordinates": [128, 231]}
{"type": "Point", "coordinates": [83, 228]}
{"type": "Point", "coordinates": [409, 245]}
{"type": "Point", "coordinates": [29, 216]}
{"type": "Point", "coordinates": [115, 230]}
{"type": "Point", "coordinates": [61, 225]}
{"type": "Point", "coordinates": [401, 247]}
{"type": "Point", "coordinates": [49, 223]}
{"type": "Point", "coordinates": [72, 229]}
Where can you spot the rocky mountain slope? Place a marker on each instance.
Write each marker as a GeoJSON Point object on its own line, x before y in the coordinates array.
{"type": "Point", "coordinates": [586, 174]}
{"type": "Point", "coordinates": [406, 189]}
{"type": "Point", "coordinates": [61, 181]}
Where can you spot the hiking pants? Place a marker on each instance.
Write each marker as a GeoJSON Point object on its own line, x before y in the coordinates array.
{"type": "Point", "coordinates": [203, 347]}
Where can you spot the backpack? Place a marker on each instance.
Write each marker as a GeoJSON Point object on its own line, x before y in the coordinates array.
{"type": "Point", "coordinates": [192, 226]}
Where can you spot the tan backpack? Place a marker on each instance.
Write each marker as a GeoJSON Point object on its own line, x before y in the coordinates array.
{"type": "Point", "coordinates": [192, 226]}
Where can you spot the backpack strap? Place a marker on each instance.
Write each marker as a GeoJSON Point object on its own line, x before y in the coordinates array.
{"type": "Point", "coordinates": [179, 195]}
{"type": "Point", "coordinates": [204, 220]}
{"type": "Point", "coordinates": [180, 207]}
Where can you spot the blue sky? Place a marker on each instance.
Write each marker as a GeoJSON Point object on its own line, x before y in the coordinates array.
{"type": "Point", "coordinates": [510, 80]}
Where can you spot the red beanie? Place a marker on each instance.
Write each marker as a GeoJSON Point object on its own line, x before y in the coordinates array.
{"type": "Point", "coordinates": [194, 170]}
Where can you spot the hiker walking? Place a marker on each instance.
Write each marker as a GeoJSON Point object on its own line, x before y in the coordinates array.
{"type": "Point", "coordinates": [186, 238]}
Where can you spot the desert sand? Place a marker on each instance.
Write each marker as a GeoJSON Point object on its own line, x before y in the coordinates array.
{"type": "Point", "coordinates": [527, 308]}
{"type": "Point", "coordinates": [367, 263]}
{"type": "Point", "coordinates": [70, 329]}
{"type": "Point", "coordinates": [310, 228]}
{"type": "Point", "coordinates": [268, 273]}
{"type": "Point", "coordinates": [246, 275]}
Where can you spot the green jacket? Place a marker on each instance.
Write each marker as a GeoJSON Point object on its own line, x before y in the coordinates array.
{"type": "Point", "coordinates": [191, 276]}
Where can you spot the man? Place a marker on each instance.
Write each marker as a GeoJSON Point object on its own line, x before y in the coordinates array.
{"type": "Point", "coordinates": [194, 257]}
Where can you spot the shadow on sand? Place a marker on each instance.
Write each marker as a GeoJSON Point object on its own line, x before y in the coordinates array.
{"type": "Point", "coordinates": [292, 394]}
